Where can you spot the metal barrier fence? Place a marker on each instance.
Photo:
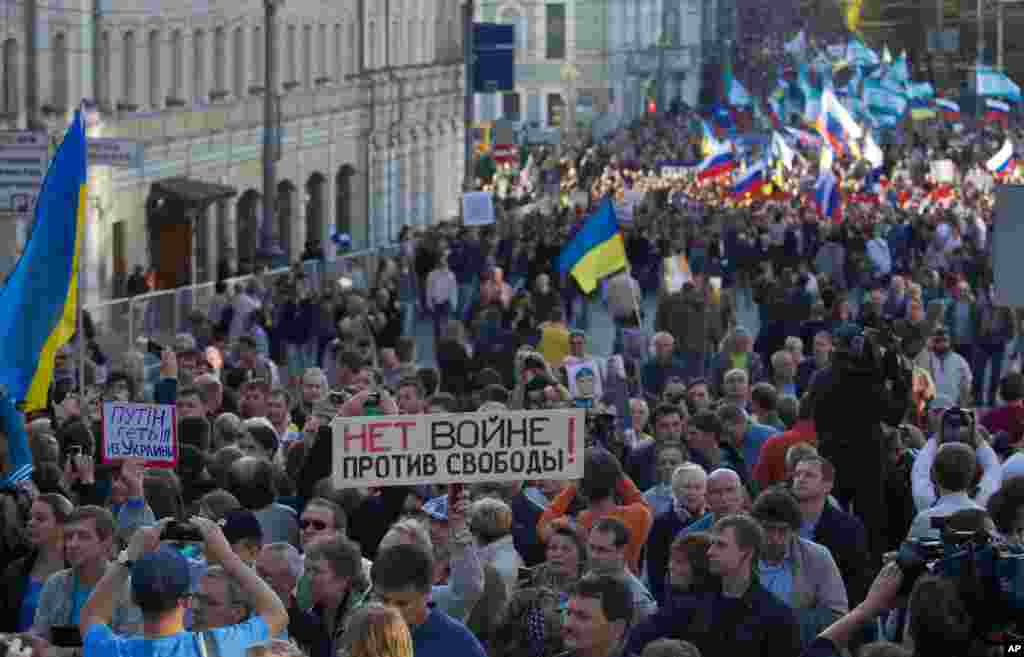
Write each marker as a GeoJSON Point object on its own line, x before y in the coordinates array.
{"type": "Point", "coordinates": [162, 314]}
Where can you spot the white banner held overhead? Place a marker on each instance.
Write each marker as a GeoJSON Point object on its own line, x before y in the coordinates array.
{"type": "Point", "coordinates": [115, 153]}
{"type": "Point", "coordinates": [140, 431]}
{"type": "Point", "coordinates": [477, 208]}
{"type": "Point", "coordinates": [464, 448]}
{"type": "Point", "coordinates": [22, 169]}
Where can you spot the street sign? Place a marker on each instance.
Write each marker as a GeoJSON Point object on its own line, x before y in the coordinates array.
{"type": "Point", "coordinates": [115, 153]}
{"type": "Point", "coordinates": [494, 58]}
{"type": "Point", "coordinates": [22, 168]}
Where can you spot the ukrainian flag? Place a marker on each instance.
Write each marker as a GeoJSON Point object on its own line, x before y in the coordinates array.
{"type": "Point", "coordinates": [596, 251]}
{"type": "Point", "coordinates": [40, 298]}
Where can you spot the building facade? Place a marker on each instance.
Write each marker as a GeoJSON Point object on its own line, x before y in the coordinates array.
{"type": "Point", "coordinates": [579, 59]}
{"type": "Point", "coordinates": [371, 121]}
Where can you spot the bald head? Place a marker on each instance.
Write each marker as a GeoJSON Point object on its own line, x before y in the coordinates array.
{"type": "Point", "coordinates": [724, 492]}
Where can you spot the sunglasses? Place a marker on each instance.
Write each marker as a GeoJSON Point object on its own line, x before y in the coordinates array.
{"type": "Point", "coordinates": [318, 525]}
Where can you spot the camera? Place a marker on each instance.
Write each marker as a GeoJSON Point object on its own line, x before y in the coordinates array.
{"type": "Point", "coordinates": [958, 426]}
{"type": "Point", "coordinates": [181, 532]}
{"type": "Point", "coordinates": [66, 636]}
{"type": "Point", "coordinates": [989, 575]}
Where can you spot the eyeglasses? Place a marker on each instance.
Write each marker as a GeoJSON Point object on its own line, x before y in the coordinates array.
{"type": "Point", "coordinates": [318, 525]}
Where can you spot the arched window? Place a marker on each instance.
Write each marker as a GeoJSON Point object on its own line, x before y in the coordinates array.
{"type": "Point", "coordinates": [10, 89]}
{"type": "Point", "coordinates": [395, 57]}
{"type": "Point", "coordinates": [339, 54]}
{"type": "Point", "coordinates": [177, 65]}
{"type": "Point", "coordinates": [60, 71]}
{"type": "Point", "coordinates": [426, 54]}
{"type": "Point", "coordinates": [410, 42]}
{"type": "Point", "coordinates": [321, 54]}
{"type": "Point", "coordinates": [220, 61]}
{"type": "Point", "coordinates": [240, 81]}
{"type": "Point", "coordinates": [307, 56]}
{"type": "Point", "coordinates": [353, 52]}
{"type": "Point", "coordinates": [371, 46]}
{"type": "Point", "coordinates": [199, 65]}
{"type": "Point", "coordinates": [290, 45]}
{"type": "Point", "coordinates": [257, 56]}
{"type": "Point", "coordinates": [129, 57]}
{"type": "Point", "coordinates": [153, 54]}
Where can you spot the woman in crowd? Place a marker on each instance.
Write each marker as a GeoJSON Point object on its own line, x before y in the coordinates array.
{"type": "Point", "coordinates": [566, 562]}
{"type": "Point", "coordinates": [376, 630]}
{"type": "Point", "coordinates": [23, 579]}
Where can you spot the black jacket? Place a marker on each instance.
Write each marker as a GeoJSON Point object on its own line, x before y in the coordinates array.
{"type": "Point", "coordinates": [844, 535]}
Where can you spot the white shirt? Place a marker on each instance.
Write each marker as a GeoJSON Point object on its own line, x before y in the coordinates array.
{"type": "Point", "coordinates": [945, 507]}
{"type": "Point", "coordinates": [921, 474]}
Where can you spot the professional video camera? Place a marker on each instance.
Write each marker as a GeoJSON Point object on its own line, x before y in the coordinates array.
{"type": "Point", "coordinates": [989, 573]}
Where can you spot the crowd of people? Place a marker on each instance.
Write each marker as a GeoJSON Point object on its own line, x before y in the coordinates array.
{"type": "Point", "coordinates": [712, 517]}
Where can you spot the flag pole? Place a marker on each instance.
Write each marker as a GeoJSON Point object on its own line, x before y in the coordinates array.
{"type": "Point", "coordinates": [80, 324]}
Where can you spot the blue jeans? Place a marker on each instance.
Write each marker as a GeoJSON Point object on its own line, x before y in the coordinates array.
{"type": "Point", "coordinates": [983, 356]}
{"type": "Point", "coordinates": [408, 310]}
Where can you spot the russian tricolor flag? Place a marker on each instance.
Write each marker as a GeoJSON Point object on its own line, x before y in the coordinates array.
{"type": "Point", "coordinates": [751, 181]}
{"type": "Point", "coordinates": [826, 196]}
{"type": "Point", "coordinates": [950, 109]}
{"type": "Point", "coordinates": [836, 125]}
{"type": "Point", "coordinates": [1001, 163]}
{"type": "Point", "coordinates": [717, 164]}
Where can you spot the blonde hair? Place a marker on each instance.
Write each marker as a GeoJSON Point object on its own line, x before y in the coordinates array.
{"type": "Point", "coordinates": [377, 630]}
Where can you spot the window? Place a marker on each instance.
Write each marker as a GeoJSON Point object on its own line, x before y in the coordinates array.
{"type": "Point", "coordinates": [153, 54]}
{"type": "Point", "coordinates": [556, 109]}
{"type": "Point", "coordinates": [257, 56]}
{"type": "Point", "coordinates": [238, 63]}
{"type": "Point", "coordinates": [353, 52]}
{"type": "Point", "coordinates": [10, 90]}
{"type": "Point", "coordinates": [556, 31]}
{"type": "Point", "coordinates": [394, 57]}
{"type": "Point", "coordinates": [339, 53]}
{"type": "Point", "coordinates": [103, 95]}
{"type": "Point", "coordinates": [371, 45]}
{"type": "Point", "coordinates": [291, 43]}
{"type": "Point", "coordinates": [220, 64]}
{"type": "Point", "coordinates": [510, 106]}
{"type": "Point", "coordinates": [307, 56]}
{"type": "Point", "coordinates": [515, 17]}
{"type": "Point", "coordinates": [321, 56]}
{"type": "Point", "coordinates": [177, 62]}
{"type": "Point", "coordinates": [199, 64]}
{"type": "Point", "coordinates": [128, 69]}
{"type": "Point", "coordinates": [410, 42]}
{"type": "Point", "coordinates": [60, 71]}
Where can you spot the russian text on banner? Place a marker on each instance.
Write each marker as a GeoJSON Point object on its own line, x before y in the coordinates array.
{"type": "Point", "coordinates": [458, 448]}
{"type": "Point", "coordinates": [140, 431]}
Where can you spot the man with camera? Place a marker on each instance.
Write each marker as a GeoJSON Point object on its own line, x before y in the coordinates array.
{"type": "Point", "coordinates": [160, 585]}
{"type": "Point", "coordinates": [957, 425]}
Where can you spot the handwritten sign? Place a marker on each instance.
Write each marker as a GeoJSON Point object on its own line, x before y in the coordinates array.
{"type": "Point", "coordinates": [463, 448]}
{"type": "Point", "coordinates": [140, 431]}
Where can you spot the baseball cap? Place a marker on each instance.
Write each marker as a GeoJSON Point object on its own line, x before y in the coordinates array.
{"type": "Point", "coordinates": [240, 525]}
{"type": "Point", "coordinates": [159, 577]}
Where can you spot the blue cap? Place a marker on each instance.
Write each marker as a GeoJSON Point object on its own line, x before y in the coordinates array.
{"type": "Point", "coordinates": [437, 508]}
{"type": "Point", "coordinates": [159, 577]}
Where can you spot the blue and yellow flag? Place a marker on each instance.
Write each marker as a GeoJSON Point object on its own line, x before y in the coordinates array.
{"type": "Point", "coordinates": [40, 298]}
{"type": "Point", "coordinates": [596, 251]}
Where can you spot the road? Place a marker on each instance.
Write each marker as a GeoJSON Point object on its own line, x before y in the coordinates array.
{"type": "Point", "coordinates": [601, 332]}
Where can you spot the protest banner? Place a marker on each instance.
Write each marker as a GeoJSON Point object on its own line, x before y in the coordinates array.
{"type": "Point", "coordinates": [140, 431]}
{"type": "Point", "coordinates": [464, 448]}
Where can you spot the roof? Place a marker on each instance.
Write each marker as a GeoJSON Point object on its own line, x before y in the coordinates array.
{"type": "Point", "coordinates": [191, 191]}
